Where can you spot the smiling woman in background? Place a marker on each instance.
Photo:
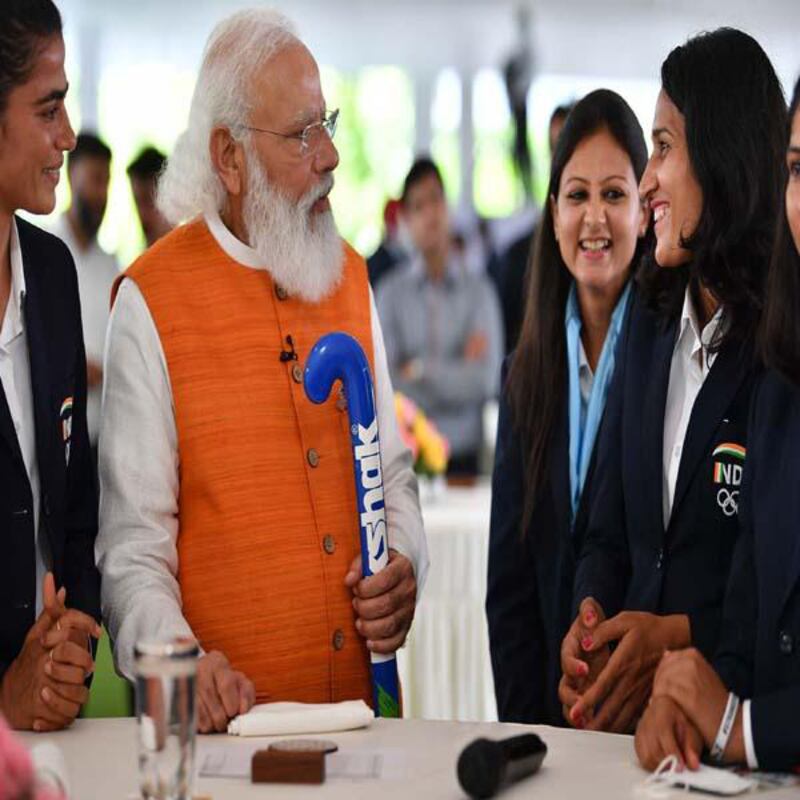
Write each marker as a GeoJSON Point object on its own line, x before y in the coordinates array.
{"type": "Point", "coordinates": [554, 395]}
{"type": "Point", "coordinates": [659, 542]}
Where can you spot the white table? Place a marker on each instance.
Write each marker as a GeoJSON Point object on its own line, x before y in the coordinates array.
{"type": "Point", "coordinates": [101, 761]}
{"type": "Point", "coordinates": [445, 668]}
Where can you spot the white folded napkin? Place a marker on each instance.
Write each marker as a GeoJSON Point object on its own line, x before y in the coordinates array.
{"type": "Point", "coordinates": [287, 719]}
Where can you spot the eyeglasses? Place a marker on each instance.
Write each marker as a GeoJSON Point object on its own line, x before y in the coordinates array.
{"type": "Point", "coordinates": [310, 137]}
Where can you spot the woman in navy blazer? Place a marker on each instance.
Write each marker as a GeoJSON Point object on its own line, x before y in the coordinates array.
{"type": "Point", "coordinates": [663, 526]}
{"type": "Point", "coordinates": [759, 656]}
{"type": "Point", "coordinates": [590, 240]}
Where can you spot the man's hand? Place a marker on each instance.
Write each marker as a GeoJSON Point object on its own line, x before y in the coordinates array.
{"type": "Point", "coordinates": [618, 696]}
{"type": "Point", "coordinates": [384, 603]}
{"type": "Point", "coordinates": [664, 731]}
{"type": "Point", "coordinates": [222, 693]}
{"type": "Point", "coordinates": [43, 688]}
{"type": "Point", "coordinates": [686, 678]}
{"type": "Point", "coordinates": [579, 668]}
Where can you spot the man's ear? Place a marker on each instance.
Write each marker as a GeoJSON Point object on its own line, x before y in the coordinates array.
{"type": "Point", "coordinates": [227, 158]}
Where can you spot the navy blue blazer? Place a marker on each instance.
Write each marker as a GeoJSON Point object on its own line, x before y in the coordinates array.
{"type": "Point", "coordinates": [529, 590]}
{"type": "Point", "coordinates": [759, 655]}
{"type": "Point", "coordinates": [68, 505]}
{"type": "Point", "coordinates": [629, 560]}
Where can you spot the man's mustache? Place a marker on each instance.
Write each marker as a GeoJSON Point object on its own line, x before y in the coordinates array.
{"type": "Point", "coordinates": [315, 193]}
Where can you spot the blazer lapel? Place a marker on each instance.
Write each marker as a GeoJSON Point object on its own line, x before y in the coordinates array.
{"type": "Point", "coordinates": [718, 390]}
{"type": "Point", "coordinates": [559, 475]}
{"type": "Point", "coordinates": [656, 375]}
{"type": "Point", "coordinates": [44, 404]}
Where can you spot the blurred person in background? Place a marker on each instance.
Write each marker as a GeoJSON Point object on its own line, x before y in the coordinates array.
{"type": "Point", "coordinates": [143, 174]}
{"type": "Point", "coordinates": [390, 251]}
{"type": "Point", "coordinates": [442, 324]}
{"type": "Point", "coordinates": [591, 238]}
{"type": "Point", "coordinates": [89, 172]}
{"type": "Point", "coordinates": [513, 269]}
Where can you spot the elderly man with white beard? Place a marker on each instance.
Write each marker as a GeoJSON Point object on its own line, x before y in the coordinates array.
{"type": "Point", "coordinates": [228, 507]}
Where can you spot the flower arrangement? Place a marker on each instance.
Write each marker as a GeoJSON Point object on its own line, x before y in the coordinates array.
{"type": "Point", "coordinates": [429, 448]}
{"type": "Point", "coordinates": [17, 775]}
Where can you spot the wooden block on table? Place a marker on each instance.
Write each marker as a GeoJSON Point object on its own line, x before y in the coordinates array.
{"type": "Point", "coordinates": [274, 766]}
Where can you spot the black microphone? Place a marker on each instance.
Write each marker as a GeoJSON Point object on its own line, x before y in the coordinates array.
{"type": "Point", "coordinates": [486, 766]}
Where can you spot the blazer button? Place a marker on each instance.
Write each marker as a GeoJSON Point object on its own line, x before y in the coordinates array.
{"type": "Point", "coordinates": [297, 373]}
{"type": "Point", "coordinates": [660, 559]}
{"type": "Point", "coordinates": [338, 639]}
{"type": "Point", "coordinates": [281, 292]}
{"type": "Point", "coordinates": [313, 457]}
{"type": "Point", "coordinates": [329, 544]}
{"type": "Point", "coordinates": [786, 643]}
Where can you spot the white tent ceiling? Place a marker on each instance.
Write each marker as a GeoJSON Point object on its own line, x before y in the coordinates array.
{"type": "Point", "coordinates": [622, 38]}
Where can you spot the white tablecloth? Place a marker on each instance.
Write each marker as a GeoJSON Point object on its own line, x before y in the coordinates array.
{"type": "Point", "coordinates": [445, 668]}
{"type": "Point", "coordinates": [101, 760]}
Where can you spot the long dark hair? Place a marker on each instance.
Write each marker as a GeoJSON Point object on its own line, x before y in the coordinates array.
{"type": "Point", "coordinates": [25, 25]}
{"type": "Point", "coordinates": [537, 374]}
{"type": "Point", "coordinates": [779, 336]}
{"type": "Point", "coordinates": [735, 115]}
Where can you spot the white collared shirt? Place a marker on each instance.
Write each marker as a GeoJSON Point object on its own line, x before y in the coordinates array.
{"type": "Point", "coordinates": [97, 271]}
{"type": "Point", "coordinates": [136, 546]}
{"type": "Point", "coordinates": [15, 375]}
{"type": "Point", "coordinates": [691, 363]}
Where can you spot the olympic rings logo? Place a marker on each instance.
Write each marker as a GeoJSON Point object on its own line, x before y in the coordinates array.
{"type": "Point", "coordinates": [728, 501]}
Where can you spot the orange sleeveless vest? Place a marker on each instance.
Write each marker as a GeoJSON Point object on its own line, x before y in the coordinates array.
{"type": "Point", "coordinates": [267, 507]}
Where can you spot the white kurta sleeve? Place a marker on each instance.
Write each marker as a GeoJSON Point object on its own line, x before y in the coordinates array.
{"type": "Point", "coordinates": [401, 496]}
{"type": "Point", "coordinates": [136, 548]}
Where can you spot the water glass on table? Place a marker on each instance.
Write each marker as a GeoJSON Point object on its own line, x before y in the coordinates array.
{"type": "Point", "coordinates": [165, 710]}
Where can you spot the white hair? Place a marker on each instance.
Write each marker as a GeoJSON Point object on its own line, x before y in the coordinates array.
{"type": "Point", "coordinates": [237, 48]}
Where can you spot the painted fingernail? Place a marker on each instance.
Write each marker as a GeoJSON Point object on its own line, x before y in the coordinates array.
{"type": "Point", "coordinates": [589, 617]}
{"type": "Point", "coordinates": [587, 643]}
{"type": "Point", "coordinates": [583, 669]}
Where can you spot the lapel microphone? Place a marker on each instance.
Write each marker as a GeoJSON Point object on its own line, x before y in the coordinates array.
{"type": "Point", "coordinates": [486, 766]}
{"type": "Point", "coordinates": [290, 354]}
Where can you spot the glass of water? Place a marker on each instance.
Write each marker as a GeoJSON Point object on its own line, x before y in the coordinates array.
{"type": "Point", "coordinates": [165, 710]}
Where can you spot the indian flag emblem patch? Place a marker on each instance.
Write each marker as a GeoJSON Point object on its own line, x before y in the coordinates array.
{"type": "Point", "coordinates": [728, 459]}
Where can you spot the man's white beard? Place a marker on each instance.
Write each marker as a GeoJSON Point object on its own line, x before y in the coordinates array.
{"type": "Point", "coordinates": [302, 251]}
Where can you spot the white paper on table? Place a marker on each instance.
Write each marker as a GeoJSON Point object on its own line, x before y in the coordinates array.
{"type": "Point", "coordinates": [290, 719]}
{"type": "Point", "coordinates": [351, 765]}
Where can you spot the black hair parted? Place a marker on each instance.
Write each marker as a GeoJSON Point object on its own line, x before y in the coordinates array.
{"type": "Point", "coordinates": [88, 145]}
{"type": "Point", "coordinates": [536, 380]}
{"type": "Point", "coordinates": [421, 168]}
{"type": "Point", "coordinates": [725, 87]}
{"type": "Point", "coordinates": [779, 335]}
{"type": "Point", "coordinates": [25, 26]}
